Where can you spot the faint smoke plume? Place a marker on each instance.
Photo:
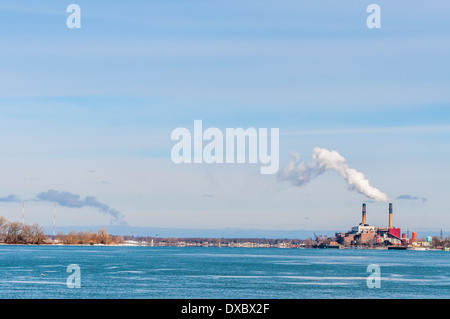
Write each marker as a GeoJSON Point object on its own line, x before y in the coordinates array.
{"type": "Point", "coordinates": [70, 200]}
{"type": "Point", "coordinates": [300, 173]}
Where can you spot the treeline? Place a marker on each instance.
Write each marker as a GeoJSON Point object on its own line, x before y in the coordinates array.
{"type": "Point", "coordinates": [440, 241]}
{"type": "Point", "coordinates": [21, 233]}
{"type": "Point", "coordinates": [89, 238]}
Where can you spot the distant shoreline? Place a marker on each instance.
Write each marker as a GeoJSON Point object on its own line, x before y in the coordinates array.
{"type": "Point", "coordinates": [16, 233]}
{"type": "Point", "coordinates": [226, 246]}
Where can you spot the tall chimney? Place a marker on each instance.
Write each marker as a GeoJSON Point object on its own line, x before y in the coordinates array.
{"type": "Point", "coordinates": [363, 213]}
{"type": "Point", "coordinates": [390, 215]}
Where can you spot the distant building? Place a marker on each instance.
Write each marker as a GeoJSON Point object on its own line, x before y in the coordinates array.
{"type": "Point", "coordinates": [364, 234]}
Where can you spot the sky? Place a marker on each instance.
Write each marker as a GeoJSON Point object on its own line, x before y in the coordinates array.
{"type": "Point", "coordinates": [86, 114]}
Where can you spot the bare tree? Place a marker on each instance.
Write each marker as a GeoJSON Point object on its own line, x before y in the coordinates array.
{"type": "Point", "coordinates": [13, 232]}
{"type": "Point", "coordinates": [25, 234]}
{"type": "Point", "coordinates": [37, 234]}
{"type": "Point", "coordinates": [104, 237]}
{"type": "Point", "coordinates": [3, 228]}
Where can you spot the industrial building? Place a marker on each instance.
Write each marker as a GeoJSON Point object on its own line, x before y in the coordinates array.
{"type": "Point", "coordinates": [365, 234]}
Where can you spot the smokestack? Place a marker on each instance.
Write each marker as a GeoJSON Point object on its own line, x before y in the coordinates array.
{"type": "Point", "coordinates": [364, 213]}
{"type": "Point", "coordinates": [390, 215]}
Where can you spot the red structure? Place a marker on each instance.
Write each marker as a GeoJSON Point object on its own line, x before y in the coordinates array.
{"type": "Point", "coordinates": [395, 232]}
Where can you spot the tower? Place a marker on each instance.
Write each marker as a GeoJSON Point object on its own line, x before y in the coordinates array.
{"type": "Point", "coordinates": [390, 215]}
{"type": "Point", "coordinates": [54, 219]}
{"type": "Point", "coordinates": [363, 214]}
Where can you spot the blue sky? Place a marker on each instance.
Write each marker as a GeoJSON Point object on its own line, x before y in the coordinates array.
{"type": "Point", "coordinates": [107, 96]}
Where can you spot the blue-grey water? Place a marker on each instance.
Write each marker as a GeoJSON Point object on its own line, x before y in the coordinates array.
{"type": "Point", "coordinates": [217, 272]}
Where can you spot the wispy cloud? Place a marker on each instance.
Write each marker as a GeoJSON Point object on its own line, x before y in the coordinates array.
{"type": "Point", "coordinates": [410, 197]}
{"type": "Point", "coordinates": [10, 199]}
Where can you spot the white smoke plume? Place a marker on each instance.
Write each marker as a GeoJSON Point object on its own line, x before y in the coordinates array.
{"type": "Point", "coordinates": [300, 173]}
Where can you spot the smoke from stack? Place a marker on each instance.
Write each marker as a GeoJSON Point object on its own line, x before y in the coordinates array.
{"type": "Point", "coordinates": [299, 173]}
{"type": "Point", "coordinates": [70, 200]}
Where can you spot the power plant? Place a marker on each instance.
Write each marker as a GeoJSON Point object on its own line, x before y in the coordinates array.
{"type": "Point", "coordinates": [364, 234]}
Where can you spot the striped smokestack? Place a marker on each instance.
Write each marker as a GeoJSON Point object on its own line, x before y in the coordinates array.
{"type": "Point", "coordinates": [363, 213]}
{"type": "Point", "coordinates": [390, 215]}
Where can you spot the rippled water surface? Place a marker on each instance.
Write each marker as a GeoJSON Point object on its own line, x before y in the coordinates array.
{"type": "Point", "coordinates": [215, 272]}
